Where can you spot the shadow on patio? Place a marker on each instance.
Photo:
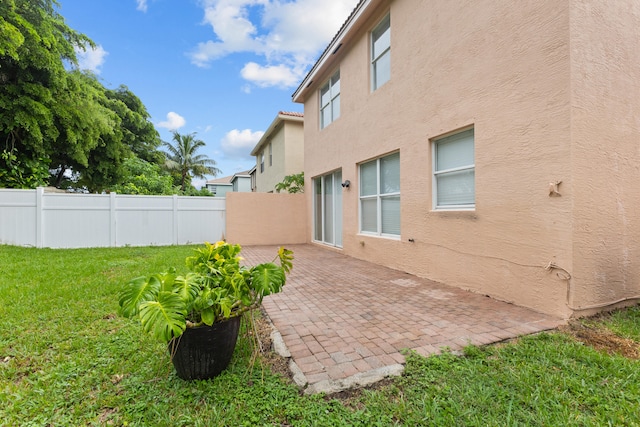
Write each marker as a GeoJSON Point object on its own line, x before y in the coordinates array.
{"type": "Point", "coordinates": [344, 321]}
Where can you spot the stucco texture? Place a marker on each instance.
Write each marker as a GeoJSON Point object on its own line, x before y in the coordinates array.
{"type": "Point", "coordinates": [551, 89]}
{"type": "Point", "coordinates": [287, 151]}
{"type": "Point", "coordinates": [266, 219]}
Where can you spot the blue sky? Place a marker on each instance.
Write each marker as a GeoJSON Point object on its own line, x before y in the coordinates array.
{"type": "Point", "coordinates": [220, 68]}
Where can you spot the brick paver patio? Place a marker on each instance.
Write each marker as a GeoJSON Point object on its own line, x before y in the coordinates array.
{"type": "Point", "coordinates": [341, 317]}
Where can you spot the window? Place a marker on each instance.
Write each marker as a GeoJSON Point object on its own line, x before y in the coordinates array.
{"type": "Point", "coordinates": [380, 196]}
{"type": "Point", "coordinates": [262, 162]}
{"type": "Point", "coordinates": [381, 53]}
{"type": "Point", "coordinates": [270, 155]}
{"type": "Point", "coordinates": [330, 101]}
{"type": "Point", "coordinates": [454, 171]}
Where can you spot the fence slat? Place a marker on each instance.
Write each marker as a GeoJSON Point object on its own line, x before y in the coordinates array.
{"type": "Point", "coordinates": [63, 220]}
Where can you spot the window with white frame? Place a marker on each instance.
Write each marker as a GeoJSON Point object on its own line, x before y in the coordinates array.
{"type": "Point", "coordinates": [262, 161]}
{"type": "Point", "coordinates": [454, 171]}
{"type": "Point", "coordinates": [381, 53]}
{"type": "Point", "coordinates": [270, 155]}
{"type": "Point", "coordinates": [330, 100]}
{"type": "Point", "coordinates": [380, 196]}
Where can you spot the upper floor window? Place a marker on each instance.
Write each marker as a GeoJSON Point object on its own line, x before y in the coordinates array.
{"type": "Point", "coordinates": [270, 155]}
{"type": "Point", "coordinates": [454, 171]}
{"type": "Point", "coordinates": [262, 161]}
{"type": "Point", "coordinates": [380, 196]}
{"type": "Point", "coordinates": [330, 100]}
{"type": "Point", "coordinates": [381, 53]}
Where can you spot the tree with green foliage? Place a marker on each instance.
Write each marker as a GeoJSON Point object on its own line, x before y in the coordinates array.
{"type": "Point", "coordinates": [60, 120]}
{"type": "Point", "coordinates": [183, 158]}
{"type": "Point", "coordinates": [142, 177]}
{"type": "Point", "coordinates": [23, 172]}
{"type": "Point", "coordinates": [89, 140]}
{"type": "Point", "coordinates": [138, 132]}
{"type": "Point", "coordinates": [34, 45]}
{"type": "Point", "coordinates": [292, 184]}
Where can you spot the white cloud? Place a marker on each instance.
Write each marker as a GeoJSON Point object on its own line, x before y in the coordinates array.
{"type": "Point", "coordinates": [91, 58]}
{"type": "Point", "coordinates": [237, 144]}
{"type": "Point", "coordinates": [142, 5]}
{"type": "Point", "coordinates": [304, 27]}
{"type": "Point", "coordinates": [271, 75]}
{"type": "Point", "coordinates": [174, 121]}
{"type": "Point", "coordinates": [289, 35]}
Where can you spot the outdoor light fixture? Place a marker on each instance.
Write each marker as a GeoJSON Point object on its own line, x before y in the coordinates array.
{"type": "Point", "coordinates": [346, 184]}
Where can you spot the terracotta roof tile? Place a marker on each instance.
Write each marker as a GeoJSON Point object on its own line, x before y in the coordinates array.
{"type": "Point", "coordinates": [291, 113]}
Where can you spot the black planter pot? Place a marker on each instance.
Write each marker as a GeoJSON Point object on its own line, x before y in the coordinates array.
{"type": "Point", "coordinates": [204, 352]}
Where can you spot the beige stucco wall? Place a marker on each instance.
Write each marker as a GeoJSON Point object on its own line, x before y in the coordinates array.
{"type": "Point", "coordinates": [605, 155]}
{"type": "Point", "coordinates": [294, 152]}
{"type": "Point", "coordinates": [266, 219]}
{"type": "Point", "coordinates": [287, 149]}
{"type": "Point", "coordinates": [504, 69]}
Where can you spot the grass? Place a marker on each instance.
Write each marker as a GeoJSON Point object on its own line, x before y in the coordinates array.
{"type": "Point", "coordinates": [66, 358]}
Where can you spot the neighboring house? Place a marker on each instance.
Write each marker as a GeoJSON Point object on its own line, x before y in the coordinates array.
{"type": "Point", "coordinates": [489, 145]}
{"type": "Point", "coordinates": [252, 174]}
{"type": "Point", "coordinates": [280, 151]}
{"type": "Point", "coordinates": [220, 186]}
{"type": "Point", "coordinates": [241, 181]}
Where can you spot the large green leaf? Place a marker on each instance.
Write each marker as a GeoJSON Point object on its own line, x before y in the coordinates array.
{"type": "Point", "coordinates": [167, 279]}
{"type": "Point", "coordinates": [136, 292]}
{"type": "Point", "coordinates": [165, 317]}
{"type": "Point", "coordinates": [187, 287]}
{"type": "Point", "coordinates": [267, 278]}
{"type": "Point", "coordinates": [208, 316]}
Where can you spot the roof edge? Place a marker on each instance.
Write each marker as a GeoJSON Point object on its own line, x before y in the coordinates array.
{"type": "Point", "coordinates": [281, 117]}
{"type": "Point", "coordinates": [332, 48]}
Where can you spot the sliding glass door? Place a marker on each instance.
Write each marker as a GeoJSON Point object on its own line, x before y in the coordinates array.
{"type": "Point", "coordinates": [327, 209]}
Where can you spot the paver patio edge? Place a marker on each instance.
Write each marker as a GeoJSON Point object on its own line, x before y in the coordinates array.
{"type": "Point", "coordinates": [361, 379]}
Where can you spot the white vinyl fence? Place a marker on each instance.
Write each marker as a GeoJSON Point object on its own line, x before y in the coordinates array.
{"type": "Point", "coordinates": [57, 220]}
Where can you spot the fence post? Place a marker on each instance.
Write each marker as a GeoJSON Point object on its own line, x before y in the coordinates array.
{"type": "Point", "coordinates": [39, 216]}
{"type": "Point", "coordinates": [112, 219]}
{"type": "Point", "coordinates": [175, 219]}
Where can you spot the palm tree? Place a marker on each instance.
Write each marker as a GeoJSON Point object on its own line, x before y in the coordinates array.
{"type": "Point", "coordinates": [182, 157]}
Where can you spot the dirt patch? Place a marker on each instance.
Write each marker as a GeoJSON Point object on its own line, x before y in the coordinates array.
{"type": "Point", "coordinates": [602, 339]}
{"type": "Point", "coordinates": [279, 365]}
{"type": "Point", "coordinates": [106, 416]}
{"type": "Point", "coordinates": [352, 398]}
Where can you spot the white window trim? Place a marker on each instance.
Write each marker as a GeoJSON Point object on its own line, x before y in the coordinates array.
{"type": "Point", "coordinates": [270, 155]}
{"type": "Point", "coordinates": [434, 192]}
{"type": "Point", "coordinates": [374, 60]}
{"type": "Point", "coordinates": [378, 198]}
{"type": "Point", "coordinates": [332, 98]}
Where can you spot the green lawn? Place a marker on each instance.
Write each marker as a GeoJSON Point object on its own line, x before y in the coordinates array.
{"type": "Point", "coordinates": [66, 358]}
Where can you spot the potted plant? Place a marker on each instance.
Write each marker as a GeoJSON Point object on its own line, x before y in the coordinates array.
{"type": "Point", "coordinates": [198, 314]}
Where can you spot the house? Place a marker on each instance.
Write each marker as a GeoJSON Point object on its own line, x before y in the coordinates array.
{"type": "Point", "coordinates": [489, 145]}
{"type": "Point", "coordinates": [252, 174]}
{"type": "Point", "coordinates": [280, 151]}
{"type": "Point", "coordinates": [220, 186]}
{"type": "Point", "coordinates": [241, 181]}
